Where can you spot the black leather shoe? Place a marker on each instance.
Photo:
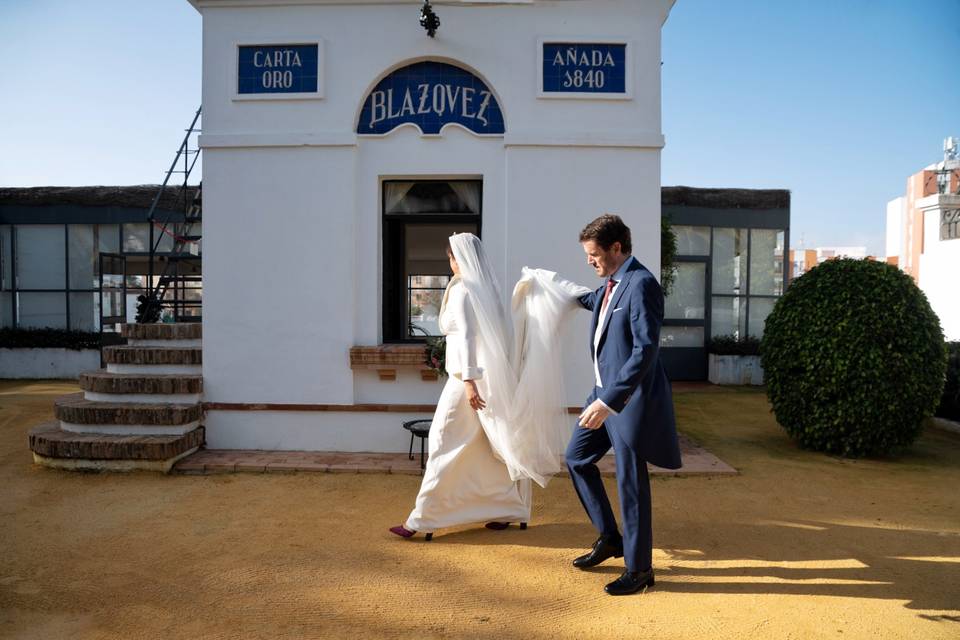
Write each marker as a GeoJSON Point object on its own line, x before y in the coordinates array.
{"type": "Point", "coordinates": [603, 549]}
{"type": "Point", "coordinates": [630, 582]}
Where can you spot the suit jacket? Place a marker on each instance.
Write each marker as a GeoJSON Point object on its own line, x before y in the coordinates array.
{"type": "Point", "coordinates": [635, 384]}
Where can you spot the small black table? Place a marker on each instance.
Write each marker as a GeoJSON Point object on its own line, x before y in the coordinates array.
{"type": "Point", "coordinates": [418, 429]}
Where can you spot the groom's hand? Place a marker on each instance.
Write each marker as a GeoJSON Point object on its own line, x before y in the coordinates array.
{"type": "Point", "coordinates": [594, 415]}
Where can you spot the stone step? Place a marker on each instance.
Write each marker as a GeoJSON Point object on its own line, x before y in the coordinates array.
{"type": "Point", "coordinates": [163, 331]}
{"type": "Point", "coordinates": [143, 355]}
{"type": "Point", "coordinates": [55, 447]}
{"type": "Point", "coordinates": [132, 383]}
{"type": "Point", "coordinates": [79, 414]}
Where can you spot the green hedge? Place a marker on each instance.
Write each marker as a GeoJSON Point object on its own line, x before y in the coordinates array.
{"type": "Point", "coordinates": [731, 346]}
{"type": "Point", "coordinates": [54, 339]}
{"type": "Point", "coordinates": [854, 358]}
{"type": "Point", "coordinates": [950, 401]}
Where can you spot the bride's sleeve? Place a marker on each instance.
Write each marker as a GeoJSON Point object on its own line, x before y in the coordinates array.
{"type": "Point", "coordinates": [465, 318]}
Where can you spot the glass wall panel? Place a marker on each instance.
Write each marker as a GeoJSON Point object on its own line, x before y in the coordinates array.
{"type": "Point", "coordinates": [81, 256]}
{"type": "Point", "coordinates": [6, 258]}
{"type": "Point", "coordinates": [6, 309]}
{"type": "Point", "coordinates": [729, 260]}
{"type": "Point", "coordinates": [728, 317]}
{"type": "Point", "coordinates": [136, 238]}
{"type": "Point", "coordinates": [760, 308]}
{"type": "Point", "coordinates": [692, 241]}
{"type": "Point", "coordinates": [42, 309]}
{"type": "Point", "coordinates": [766, 262]}
{"type": "Point", "coordinates": [681, 336]}
{"type": "Point", "coordinates": [108, 238]}
{"type": "Point", "coordinates": [113, 302]}
{"type": "Point", "coordinates": [687, 299]}
{"type": "Point", "coordinates": [83, 311]}
{"type": "Point", "coordinates": [41, 257]}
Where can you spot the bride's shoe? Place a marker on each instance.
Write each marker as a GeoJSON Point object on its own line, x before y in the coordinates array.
{"type": "Point", "coordinates": [500, 526]}
{"type": "Point", "coordinates": [403, 532]}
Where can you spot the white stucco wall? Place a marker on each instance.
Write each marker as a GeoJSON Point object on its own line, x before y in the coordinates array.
{"type": "Point", "coordinates": [895, 212]}
{"type": "Point", "coordinates": [292, 212]}
{"type": "Point", "coordinates": [940, 264]}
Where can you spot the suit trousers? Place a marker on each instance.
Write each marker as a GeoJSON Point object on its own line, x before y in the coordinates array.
{"type": "Point", "coordinates": [633, 484]}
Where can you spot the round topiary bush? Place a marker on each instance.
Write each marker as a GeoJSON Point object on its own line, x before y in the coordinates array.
{"type": "Point", "coordinates": [853, 358]}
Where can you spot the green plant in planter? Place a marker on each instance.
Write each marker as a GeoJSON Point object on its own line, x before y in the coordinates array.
{"type": "Point", "coordinates": [732, 346]}
{"type": "Point", "coordinates": [436, 355]}
{"type": "Point", "coordinates": [668, 254]}
{"type": "Point", "coordinates": [854, 358]}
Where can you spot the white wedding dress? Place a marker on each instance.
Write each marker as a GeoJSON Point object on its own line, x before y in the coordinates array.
{"type": "Point", "coordinates": [481, 464]}
{"type": "Point", "coordinates": [464, 481]}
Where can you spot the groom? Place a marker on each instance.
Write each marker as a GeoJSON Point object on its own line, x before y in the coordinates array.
{"type": "Point", "coordinates": [630, 407]}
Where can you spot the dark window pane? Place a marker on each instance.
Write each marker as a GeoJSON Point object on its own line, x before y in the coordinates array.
{"type": "Point", "coordinates": [454, 196]}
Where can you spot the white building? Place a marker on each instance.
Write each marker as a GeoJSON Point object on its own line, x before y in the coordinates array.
{"type": "Point", "coordinates": [342, 145]}
{"type": "Point", "coordinates": [923, 235]}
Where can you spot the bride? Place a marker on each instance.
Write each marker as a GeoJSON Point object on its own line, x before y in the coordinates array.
{"type": "Point", "coordinates": [500, 420]}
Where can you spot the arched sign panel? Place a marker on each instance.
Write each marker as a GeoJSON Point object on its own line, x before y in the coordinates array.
{"type": "Point", "coordinates": [431, 95]}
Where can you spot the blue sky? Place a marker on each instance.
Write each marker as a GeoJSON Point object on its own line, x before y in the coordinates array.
{"type": "Point", "coordinates": [837, 100]}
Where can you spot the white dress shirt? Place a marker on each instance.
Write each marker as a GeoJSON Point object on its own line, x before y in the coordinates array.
{"type": "Point", "coordinates": [617, 277]}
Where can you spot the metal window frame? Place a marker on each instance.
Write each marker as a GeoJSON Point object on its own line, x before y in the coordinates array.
{"type": "Point", "coordinates": [67, 289]}
{"type": "Point", "coordinates": [777, 220]}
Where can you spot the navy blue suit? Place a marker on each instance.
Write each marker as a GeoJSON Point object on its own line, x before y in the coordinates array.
{"type": "Point", "coordinates": [635, 386]}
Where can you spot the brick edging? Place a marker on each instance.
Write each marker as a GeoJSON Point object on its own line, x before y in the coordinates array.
{"type": "Point", "coordinates": [336, 408]}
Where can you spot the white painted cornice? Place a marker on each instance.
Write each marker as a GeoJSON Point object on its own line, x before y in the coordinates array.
{"type": "Point", "coordinates": [615, 139]}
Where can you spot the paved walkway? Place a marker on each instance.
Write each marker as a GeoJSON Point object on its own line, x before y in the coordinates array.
{"type": "Point", "coordinates": [696, 461]}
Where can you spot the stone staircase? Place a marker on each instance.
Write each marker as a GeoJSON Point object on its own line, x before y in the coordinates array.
{"type": "Point", "coordinates": [144, 411]}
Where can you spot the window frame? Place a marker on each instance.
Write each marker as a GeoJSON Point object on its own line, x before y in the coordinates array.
{"type": "Point", "coordinates": [393, 294]}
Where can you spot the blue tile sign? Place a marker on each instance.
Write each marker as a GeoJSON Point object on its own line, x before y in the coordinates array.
{"type": "Point", "coordinates": [277, 68]}
{"type": "Point", "coordinates": [431, 95]}
{"type": "Point", "coordinates": [579, 67]}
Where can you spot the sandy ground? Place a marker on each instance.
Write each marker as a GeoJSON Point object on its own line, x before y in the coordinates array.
{"type": "Point", "coordinates": [800, 545]}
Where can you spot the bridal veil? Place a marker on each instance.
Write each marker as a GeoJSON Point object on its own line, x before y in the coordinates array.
{"type": "Point", "coordinates": [525, 419]}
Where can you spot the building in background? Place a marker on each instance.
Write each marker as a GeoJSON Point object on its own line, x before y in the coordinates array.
{"type": "Point", "coordinates": [729, 269]}
{"type": "Point", "coordinates": [54, 241]}
{"type": "Point", "coordinates": [802, 260]}
{"type": "Point", "coordinates": [923, 235]}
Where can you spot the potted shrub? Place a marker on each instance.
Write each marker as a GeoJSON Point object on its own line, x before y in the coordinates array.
{"type": "Point", "coordinates": [734, 361]}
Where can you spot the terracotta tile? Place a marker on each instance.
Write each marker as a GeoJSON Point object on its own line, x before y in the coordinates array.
{"type": "Point", "coordinates": [219, 467]}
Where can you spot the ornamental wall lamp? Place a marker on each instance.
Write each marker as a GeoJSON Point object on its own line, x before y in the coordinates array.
{"type": "Point", "coordinates": [428, 19]}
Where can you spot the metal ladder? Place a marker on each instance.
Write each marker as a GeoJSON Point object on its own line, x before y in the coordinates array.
{"type": "Point", "coordinates": [182, 264]}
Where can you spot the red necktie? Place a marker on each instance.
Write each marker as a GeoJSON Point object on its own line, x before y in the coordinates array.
{"type": "Point", "coordinates": [611, 283]}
